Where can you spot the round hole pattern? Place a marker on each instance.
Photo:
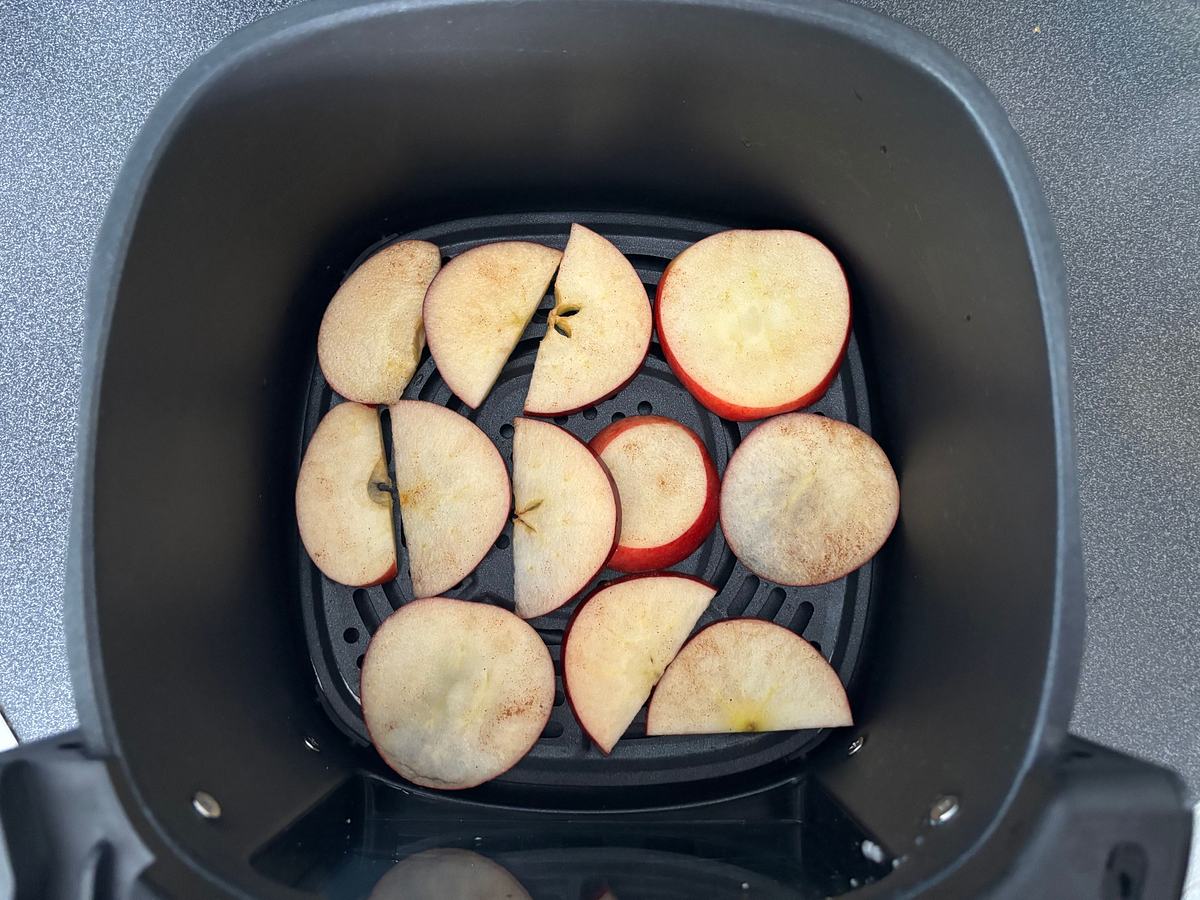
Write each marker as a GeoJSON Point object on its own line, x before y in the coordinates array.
{"type": "Point", "coordinates": [350, 635]}
{"type": "Point", "coordinates": [503, 542]}
{"type": "Point", "coordinates": [506, 430]}
{"type": "Point", "coordinates": [618, 416]}
{"type": "Point", "coordinates": [645, 408]}
{"type": "Point", "coordinates": [590, 413]}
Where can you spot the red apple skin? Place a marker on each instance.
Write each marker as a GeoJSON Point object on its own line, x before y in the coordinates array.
{"type": "Point", "coordinates": [386, 576]}
{"type": "Point", "coordinates": [649, 559]}
{"type": "Point", "coordinates": [723, 408]}
{"type": "Point", "coordinates": [421, 788]}
{"type": "Point", "coordinates": [571, 624]}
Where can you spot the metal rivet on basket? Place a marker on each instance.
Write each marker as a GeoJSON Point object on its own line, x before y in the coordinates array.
{"type": "Point", "coordinates": [206, 805]}
{"type": "Point", "coordinates": [856, 745]}
{"type": "Point", "coordinates": [311, 744]}
{"type": "Point", "coordinates": [943, 810]}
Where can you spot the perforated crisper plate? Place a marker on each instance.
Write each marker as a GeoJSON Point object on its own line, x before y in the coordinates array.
{"type": "Point", "coordinates": [339, 621]}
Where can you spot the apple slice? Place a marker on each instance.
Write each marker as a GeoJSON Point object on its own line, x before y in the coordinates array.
{"type": "Point", "coordinates": [343, 506]}
{"type": "Point", "coordinates": [448, 874]}
{"type": "Point", "coordinates": [619, 642]}
{"type": "Point", "coordinates": [371, 336]}
{"type": "Point", "coordinates": [477, 308]}
{"type": "Point", "coordinates": [745, 675]}
{"type": "Point", "coordinates": [567, 516]}
{"type": "Point", "coordinates": [454, 693]}
{"type": "Point", "coordinates": [754, 323]}
{"type": "Point", "coordinates": [453, 490]}
{"type": "Point", "coordinates": [599, 332]}
{"type": "Point", "coordinates": [807, 499]}
{"type": "Point", "coordinates": [668, 489]}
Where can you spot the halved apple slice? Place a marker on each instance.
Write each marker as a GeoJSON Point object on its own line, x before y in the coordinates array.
{"type": "Point", "coordinates": [567, 516]}
{"type": "Point", "coordinates": [747, 675]}
{"type": "Point", "coordinates": [448, 874]}
{"type": "Point", "coordinates": [807, 499]}
{"type": "Point", "coordinates": [478, 306]}
{"type": "Point", "coordinates": [453, 489]}
{"type": "Point", "coordinates": [598, 333]}
{"type": "Point", "coordinates": [754, 323]}
{"type": "Point", "coordinates": [343, 506]}
{"type": "Point", "coordinates": [668, 488]}
{"type": "Point", "coordinates": [454, 693]}
{"type": "Point", "coordinates": [620, 641]}
{"type": "Point", "coordinates": [371, 336]}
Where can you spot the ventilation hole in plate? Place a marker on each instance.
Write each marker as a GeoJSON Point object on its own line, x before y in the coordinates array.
{"type": "Point", "coordinates": [590, 413]}
{"type": "Point", "coordinates": [744, 595]}
{"type": "Point", "coordinates": [502, 542]}
{"type": "Point", "coordinates": [358, 662]}
{"type": "Point", "coordinates": [561, 420]}
{"type": "Point", "coordinates": [350, 635]}
{"type": "Point", "coordinates": [618, 416]}
{"type": "Point", "coordinates": [817, 646]}
{"type": "Point", "coordinates": [774, 603]}
{"type": "Point", "coordinates": [553, 730]}
{"type": "Point", "coordinates": [819, 413]}
{"type": "Point", "coordinates": [804, 614]}
{"type": "Point", "coordinates": [644, 408]}
{"type": "Point", "coordinates": [506, 430]}
{"type": "Point", "coordinates": [362, 603]}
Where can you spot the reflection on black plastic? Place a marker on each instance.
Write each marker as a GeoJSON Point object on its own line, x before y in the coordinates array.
{"type": "Point", "coordinates": [371, 841]}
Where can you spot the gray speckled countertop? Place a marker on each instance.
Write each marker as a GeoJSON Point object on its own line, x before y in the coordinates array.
{"type": "Point", "coordinates": [1107, 99]}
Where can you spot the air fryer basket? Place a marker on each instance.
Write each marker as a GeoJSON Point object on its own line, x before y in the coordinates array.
{"type": "Point", "coordinates": [219, 750]}
{"type": "Point", "coordinates": [340, 620]}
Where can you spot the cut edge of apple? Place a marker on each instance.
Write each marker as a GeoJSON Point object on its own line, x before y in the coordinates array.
{"type": "Point", "coordinates": [563, 653]}
{"type": "Point", "coordinates": [733, 411]}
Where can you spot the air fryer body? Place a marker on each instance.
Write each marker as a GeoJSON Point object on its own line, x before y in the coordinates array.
{"type": "Point", "coordinates": [295, 145]}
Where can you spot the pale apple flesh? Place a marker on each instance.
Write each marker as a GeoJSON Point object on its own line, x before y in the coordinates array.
{"type": "Point", "coordinates": [448, 874]}
{"type": "Point", "coordinates": [453, 490]}
{"type": "Point", "coordinates": [343, 508]}
{"type": "Point", "coordinates": [668, 488]}
{"type": "Point", "coordinates": [747, 675]}
{"type": "Point", "coordinates": [754, 323]}
{"type": "Point", "coordinates": [597, 335]}
{"type": "Point", "coordinates": [620, 641]}
{"type": "Point", "coordinates": [477, 308]}
{"type": "Point", "coordinates": [455, 693]}
{"type": "Point", "coordinates": [372, 335]}
{"type": "Point", "coordinates": [807, 499]}
{"type": "Point", "coordinates": [566, 516]}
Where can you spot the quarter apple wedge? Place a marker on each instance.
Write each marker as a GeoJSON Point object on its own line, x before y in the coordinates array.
{"type": "Point", "coordinates": [343, 507]}
{"type": "Point", "coordinates": [597, 335]}
{"type": "Point", "coordinates": [747, 675]}
{"type": "Point", "coordinates": [567, 516]}
{"type": "Point", "coordinates": [754, 323]}
{"type": "Point", "coordinates": [453, 490]}
{"type": "Point", "coordinates": [371, 336]}
{"type": "Point", "coordinates": [620, 641]}
{"type": "Point", "coordinates": [477, 308]}
{"type": "Point", "coordinates": [455, 693]}
{"type": "Point", "coordinates": [807, 499]}
{"type": "Point", "coordinates": [668, 487]}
